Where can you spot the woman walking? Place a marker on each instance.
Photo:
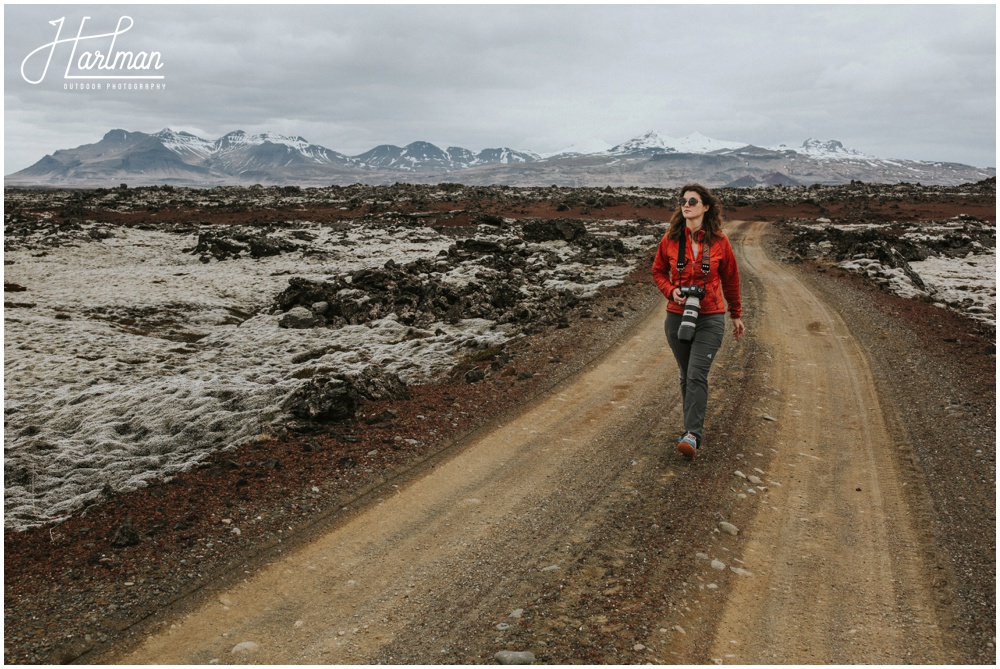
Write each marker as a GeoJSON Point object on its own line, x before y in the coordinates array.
{"type": "Point", "coordinates": [695, 268]}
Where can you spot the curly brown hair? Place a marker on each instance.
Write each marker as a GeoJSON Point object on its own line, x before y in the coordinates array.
{"type": "Point", "coordinates": [711, 224]}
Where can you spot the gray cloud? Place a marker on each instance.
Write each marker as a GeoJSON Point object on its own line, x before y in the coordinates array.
{"type": "Point", "coordinates": [898, 81]}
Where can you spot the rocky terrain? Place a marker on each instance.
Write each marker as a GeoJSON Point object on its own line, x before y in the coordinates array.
{"type": "Point", "coordinates": [195, 375]}
{"type": "Point", "coordinates": [947, 262]}
{"type": "Point", "coordinates": [236, 331]}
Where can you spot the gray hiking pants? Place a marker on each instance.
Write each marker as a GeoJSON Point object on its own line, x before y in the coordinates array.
{"type": "Point", "coordinates": [694, 359]}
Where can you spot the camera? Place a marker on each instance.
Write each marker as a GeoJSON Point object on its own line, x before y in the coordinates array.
{"type": "Point", "coordinates": [691, 308]}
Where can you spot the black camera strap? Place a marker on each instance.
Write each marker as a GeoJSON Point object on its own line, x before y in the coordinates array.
{"type": "Point", "coordinates": [706, 264]}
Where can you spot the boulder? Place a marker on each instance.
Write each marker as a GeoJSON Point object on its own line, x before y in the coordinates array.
{"type": "Point", "coordinates": [322, 399]}
{"type": "Point", "coordinates": [328, 399]}
{"type": "Point", "coordinates": [374, 383]}
{"type": "Point", "coordinates": [564, 229]}
{"type": "Point", "coordinates": [298, 318]}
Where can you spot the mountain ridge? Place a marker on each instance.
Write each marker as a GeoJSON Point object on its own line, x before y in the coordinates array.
{"type": "Point", "coordinates": [649, 159]}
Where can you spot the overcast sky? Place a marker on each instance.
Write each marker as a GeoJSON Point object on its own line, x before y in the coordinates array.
{"type": "Point", "coordinates": [896, 81]}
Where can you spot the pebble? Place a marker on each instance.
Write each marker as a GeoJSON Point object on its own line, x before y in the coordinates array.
{"type": "Point", "coordinates": [741, 571]}
{"type": "Point", "coordinates": [244, 647]}
{"type": "Point", "coordinates": [552, 567]}
{"type": "Point", "coordinates": [517, 613]}
{"type": "Point", "coordinates": [514, 657]}
{"type": "Point", "coordinates": [503, 627]}
{"type": "Point", "coordinates": [729, 528]}
{"type": "Point", "coordinates": [712, 586]}
{"type": "Point", "coordinates": [718, 564]}
{"type": "Point", "coordinates": [701, 556]}
{"type": "Point", "coordinates": [638, 646]}
{"type": "Point", "coordinates": [769, 418]}
{"type": "Point", "coordinates": [678, 628]}
{"type": "Point", "coordinates": [754, 479]}
{"type": "Point", "coordinates": [740, 474]}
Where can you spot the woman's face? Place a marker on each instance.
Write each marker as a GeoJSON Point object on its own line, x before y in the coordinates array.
{"type": "Point", "coordinates": [693, 212]}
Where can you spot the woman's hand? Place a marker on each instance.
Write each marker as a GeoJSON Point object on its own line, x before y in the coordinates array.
{"type": "Point", "coordinates": [677, 297]}
{"type": "Point", "coordinates": [738, 328]}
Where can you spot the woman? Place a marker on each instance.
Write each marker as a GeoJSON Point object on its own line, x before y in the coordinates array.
{"type": "Point", "coordinates": [695, 238]}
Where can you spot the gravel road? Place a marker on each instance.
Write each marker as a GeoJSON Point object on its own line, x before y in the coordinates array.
{"type": "Point", "coordinates": [808, 532]}
{"type": "Point", "coordinates": [838, 574]}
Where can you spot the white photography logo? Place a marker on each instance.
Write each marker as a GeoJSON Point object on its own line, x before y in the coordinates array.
{"type": "Point", "coordinates": [100, 69]}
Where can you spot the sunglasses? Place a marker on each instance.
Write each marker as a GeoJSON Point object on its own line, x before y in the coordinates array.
{"type": "Point", "coordinates": [692, 202]}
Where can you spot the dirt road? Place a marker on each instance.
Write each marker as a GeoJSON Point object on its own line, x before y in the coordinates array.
{"type": "Point", "coordinates": [574, 531]}
{"type": "Point", "coordinates": [838, 571]}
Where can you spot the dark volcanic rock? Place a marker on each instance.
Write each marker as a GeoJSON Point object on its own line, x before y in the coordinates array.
{"type": "Point", "coordinates": [566, 229]}
{"type": "Point", "coordinates": [603, 247]}
{"type": "Point", "coordinates": [888, 245]}
{"type": "Point", "coordinates": [332, 398]}
{"type": "Point", "coordinates": [419, 295]}
{"type": "Point", "coordinates": [322, 399]}
{"type": "Point", "coordinates": [233, 243]}
{"type": "Point", "coordinates": [374, 383]}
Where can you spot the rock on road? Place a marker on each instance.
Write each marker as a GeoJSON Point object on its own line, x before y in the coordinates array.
{"type": "Point", "coordinates": [506, 544]}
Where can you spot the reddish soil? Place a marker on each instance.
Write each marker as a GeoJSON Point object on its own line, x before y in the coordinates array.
{"type": "Point", "coordinates": [454, 214]}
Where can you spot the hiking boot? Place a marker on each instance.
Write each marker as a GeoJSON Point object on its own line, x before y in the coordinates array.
{"type": "Point", "coordinates": [688, 446]}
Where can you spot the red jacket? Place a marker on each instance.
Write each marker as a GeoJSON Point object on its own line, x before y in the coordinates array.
{"type": "Point", "coordinates": [723, 278]}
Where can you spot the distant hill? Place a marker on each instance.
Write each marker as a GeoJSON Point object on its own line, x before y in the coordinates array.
{"type": "Point", "coordinates": [651, 159]}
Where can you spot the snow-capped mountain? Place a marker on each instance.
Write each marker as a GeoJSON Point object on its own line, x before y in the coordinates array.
{"type": "Point", "coordinates": [580, 148]}
{"type": "Point", "coordinates": [412, 157]}
{"type": "Point", "coordinates": [238, 152]}
{"type": "Point", "coordinates": [239, 146]}
{"type": "Point", "coordinates": [827, 150]}
{"type": "Point", "coordinates": [648, 144]}
{"type": "Point", "coordinates": [424, 156]}
{"type": "Point", "coordinates": [185, 143]}
{"type": "Point", "coordinates": [505, 156]}
{"type": "Point", "coordinates": [650, 159]}
{"type": "Point", "coordinates": [652, 143]}
{"type": "Point", "coordinates": [239, 141]}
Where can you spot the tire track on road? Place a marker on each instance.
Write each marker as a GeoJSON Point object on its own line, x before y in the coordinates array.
{"type": "Point", "coordinates": [838, 569]}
